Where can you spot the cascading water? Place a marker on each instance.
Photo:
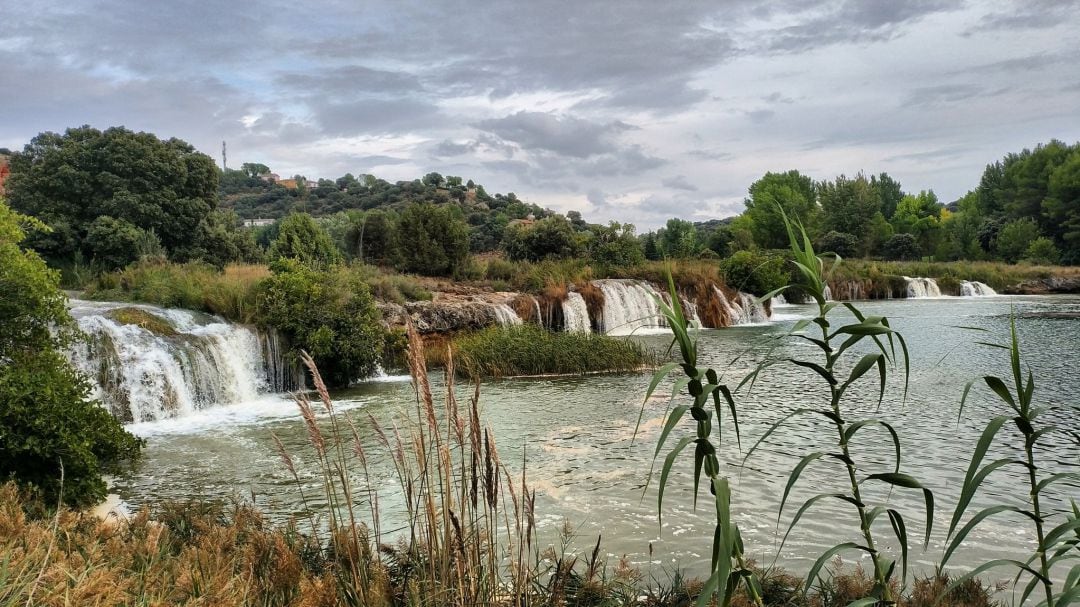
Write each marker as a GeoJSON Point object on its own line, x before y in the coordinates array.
{"type": "Point", "coordinates": [922, 287]}
{"type": "Point", "coordinates": [975, 289]}
{"type": "Point", "coordinates": [506, 316]}
{"type": "Point", "coordinates": [576, 313]}
{"type": "Point", "coordinates": [628, 305]}
{"type": "Point", "coordinates": [142, 376]}
{"type": "Point", "coordinates": [744, 310]}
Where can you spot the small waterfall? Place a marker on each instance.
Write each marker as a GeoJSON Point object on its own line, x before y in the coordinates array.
{"type": "Point", "coordinates": [143, 376]}
{"type": "Point", "coordinates": [628, 305]}
{"type": "Point", "coordinates": [828, 293]}
{"type": "Point", "coordinates": [691, 313]}
{"type": "Point", "coordinates": [575, 313]}
{"type": "Point", "coordinates": [744, 310]}
{"type": "Point", "coordinates": [975, 289]}
{"type": "Point", "coordinates": [506, 316]}
{"type": "Point", "coordinates": [922, 287]}
{"type": "Point", "coordinates": [779, 300]}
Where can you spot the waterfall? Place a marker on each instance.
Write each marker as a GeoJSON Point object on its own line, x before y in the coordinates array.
{"type": "Point", "coordinates": [628, 305]}
{"type": "Point", "coordinates": [975, 289]}
{"type": "Point", "coordinates": [506, 316]}
{"type": "Point", "coordinates": [828, 293]}
{"type": "Point", "coordinates": [779, 300]}
{"type": "Point", "coordinates": [202, 362]}
{"type": "Point", "coordinates": [744, 310]}
{"type": "Point", "coordinates": [922, 287]}
{"type": "Point", "coordinates": [575, 313]}
{"type": "Point", "coordinates": [691, 313]}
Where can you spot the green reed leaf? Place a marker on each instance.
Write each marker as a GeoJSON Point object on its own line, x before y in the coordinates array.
{"type": "Point", "coordinates": [849, 433]}
{"type": "Point", "coordinates": [999, 388]}
{"type": "Point", "coordinates": [906, 481]}
{"type": "Point", "coordinates": [900, 530]}
{"type": "Point", "coordinates": [970, 485]}
{"type": "Point", "coordinates": [824, 558]}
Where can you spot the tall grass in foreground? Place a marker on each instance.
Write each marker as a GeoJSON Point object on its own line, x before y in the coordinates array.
{"type": "Point", "coordinates": [525, 350]}
{"type": "Point", "coordinates": [1058, 542]}
{"type": "Point", "coordinates": [729, 570]}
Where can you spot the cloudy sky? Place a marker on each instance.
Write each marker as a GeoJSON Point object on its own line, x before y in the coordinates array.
{"type": "Point", "coordinates": [628, 110]}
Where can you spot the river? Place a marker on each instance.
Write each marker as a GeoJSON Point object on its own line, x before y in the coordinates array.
{"type": "Point", "coordinates": [576, 436]}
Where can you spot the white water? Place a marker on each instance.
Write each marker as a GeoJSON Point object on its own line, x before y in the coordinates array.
{"type": "Point", "coordinates": [744, 309]}
{"type": "Point", "coordinates": [575, 313]}
{"type": "Point", "coordinates": [918, 288]}
{"type": "Point", "coordinates": [629, 306]}
{"type": "Point", "coordinates": [506, 316]}
{"type": "Point", "coordinates": [141, 376]}
{"type": "Point", "coordinates": [975, 289]}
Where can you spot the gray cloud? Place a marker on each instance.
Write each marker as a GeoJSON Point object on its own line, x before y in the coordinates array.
{"type": "Point", "coordinates": [1034, 14]}
{"type": "Point", "coordinates": [854, 21]}
{"type": "Point", "coordinates": [564, 135]}
{"type": "Point", "coordinates": [679, 182]}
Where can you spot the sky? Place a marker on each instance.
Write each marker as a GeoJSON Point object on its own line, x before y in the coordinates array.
{"type": "Point", "coordinates": [634, 111]}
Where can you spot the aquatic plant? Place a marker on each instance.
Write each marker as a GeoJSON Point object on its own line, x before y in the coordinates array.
{"type": "Point", "coordinates": [532, 350]}
{"type": "Point", "coordinates": [1057, 533]}
{"type": "Point", "coordinates": [729, 570]}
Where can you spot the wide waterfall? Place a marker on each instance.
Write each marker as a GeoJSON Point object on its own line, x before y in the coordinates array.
{"type": "Point", "coordinates": [575, 313]}
{"type": "Point", "coordinates": [975, 289]}
{"type": "Point", "coordinates": [922, 287]}
{"type": "Point", "coordinates": [506, 316]}
{"type": "Point", "coordinates": [201, 361]}
{"type": "Point", "coordinates": [629, 305]}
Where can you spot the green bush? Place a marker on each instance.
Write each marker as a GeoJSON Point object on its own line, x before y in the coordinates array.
{"type": "Point", "coordinates": [902, 247]}
{"type": "Point", "coordinates": [329, 313]}
{"type": "Point", "coordinates": [300, 238]}
{"type": "Point", "coordinates": [754, 272]}
{"type": "Point", "coordinates": [434, 240]}
{"type": "Point", "coordinates": [1042, 251]}
{"type": "Point", "coordinates": [839, 243]}
{"type": "Point", "coordinates": [532, 350]}
{"type": "Point", "coordinates": [53, 439]}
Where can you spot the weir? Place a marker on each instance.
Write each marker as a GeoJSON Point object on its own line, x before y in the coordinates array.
{"type": "Point", "coordinates": [974, 288]}
{"type": "Point", "coordinates": [576, 313]}
{"type": "Point", "coordinates": [201, 361]}
{"type": "Point", "coordinates": [918, 288]}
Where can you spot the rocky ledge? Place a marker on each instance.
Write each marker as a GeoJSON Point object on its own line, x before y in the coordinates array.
{"type": "Point", "coordinates": [1046, 286]}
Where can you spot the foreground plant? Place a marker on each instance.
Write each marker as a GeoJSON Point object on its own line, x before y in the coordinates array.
{"type": "Point", "coordinates": [1058, 533]}
{"type": "Point", "coordinates": [837, 345]}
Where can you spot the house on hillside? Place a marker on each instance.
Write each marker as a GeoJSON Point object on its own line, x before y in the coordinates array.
{"type": "Point", "coordinates": [270, 177]}
{"type": "Point", "coordinates": [292, 183]}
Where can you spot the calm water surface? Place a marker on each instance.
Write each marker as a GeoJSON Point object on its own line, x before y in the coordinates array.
{"type": "Point", "coordinates": [576, 438]}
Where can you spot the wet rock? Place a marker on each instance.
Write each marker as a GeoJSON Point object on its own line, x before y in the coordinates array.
{"type": "Point", "coordinates": [1046, 286]}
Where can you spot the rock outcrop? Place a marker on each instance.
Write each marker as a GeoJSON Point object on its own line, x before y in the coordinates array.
{"type": "Point", "coordinates": [1046, 286]}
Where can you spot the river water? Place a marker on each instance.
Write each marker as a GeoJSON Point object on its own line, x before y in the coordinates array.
{"type": "Point", "coordinates": [576, 436]}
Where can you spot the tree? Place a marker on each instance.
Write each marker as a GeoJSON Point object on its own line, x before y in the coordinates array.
{"type": "Point", "coordinates": [753, 272]}
{"type": "Point", "coordinates": [550, 238]}
{"type": "Point", "coordinates": [1042, 251]}
{"type": "Point", "coordinates": [254, 169]}
{"type": "Point", "coordinates": [433, 179]}
{"type": "Point", "coordinates": [1015, 237]}
{"type": "Point", "coordinates": [902, 247]}
{"type": "Point", "coordinates": [650, 248]}
{"type": "Point", "coordinates": [791, 191]}
{"type": "Point", "coordinates": [888, 191]}
{"type": "Point", "coordinates": [849, 205]}
{"type": "Point", "coordinates": [435, 240]}
{"type": "Point", "coordinates": [679, 239]}
{"type": "Point", "coordinates": [616, 245]}
{"type": "Point", "coordinates": [1062, 206]}
{"type": "Point", "coordinates": [300, 238]}
{"type": "Point", "coordinates": [70, 180]}
{"type": "Point", "coordinates": [327, 312]}
{"type": "Point", "coordinates": [49, 428]}
{"type": "Point", "coordinates": [919, 216]}
{"type": "Point", "coordinates": [219, 240]}
{"type": "Point", "coordinates": [112, 242]}
{"type": "Point", "coordinates": [372, 238]}
{"type": "Point", "coordinates": [839, 243]}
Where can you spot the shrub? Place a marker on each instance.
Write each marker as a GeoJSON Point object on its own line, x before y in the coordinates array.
{"type": "Point", "coordinates": [753, 272]}
{"type": "Point", "coordinates": [902, 247]}
{"type": "Point", "coordinates": [300, 238]}
{"type": "Point", "coordinates": [839, 243]}
{"type": "Point", "coordinates": [327, 312]}
{"type": "Point", "coordinates": [532, 350]}
{"type": "Point", "coordinates": [1015, 237]}
{"type": "Point", "coordinates": [433, 240]}
{"type": "Point", "coordinates": [1042, 251]}
{"type": "Point", "coordinates": [550, 238]}
{"type": "Point", "coordinates": [53, 438]}
{"type": "Point", "coordinates": [112, 242]}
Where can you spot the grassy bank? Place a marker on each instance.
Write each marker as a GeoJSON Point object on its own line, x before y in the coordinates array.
{"type": "Point", "coordinates": [531, 350]}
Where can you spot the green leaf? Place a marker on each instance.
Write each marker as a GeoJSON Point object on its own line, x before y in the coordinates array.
{"type": "Point", "coordinates": [903, 480]}
{"type": "Point", "coordinates": [849, 433]}
{"type": "Point", "coordinates": [657, 377]}
{"type": "Point", "coordinates": [1056, 533]}
{"type": "Point", "coordinates": [665, 471]}
{"type": "Point", "coordinates": [793, 477]}
{"type": "Point", "coordinates": [957, 582]}
{"type": "Point", "coordinates": [865, 364]}
{"type": "Point", "coordinates": [672, 419]}
{"type": "Point", "coordinates": [998, 387]}
{"type": "Point", "coordinates": [897, 522]}
{"type": "Point", "coordinates": [1046, 482]}
{"type": "Point", "coordinates": [824, 558]}
{"type": "Point", "coordinates": [975, 520]}
{"type": "Point", "coordinates": [970, 485]}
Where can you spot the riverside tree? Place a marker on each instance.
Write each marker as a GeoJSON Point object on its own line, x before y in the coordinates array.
{"type": "Point", "coordinates": [54, 440]}
{"type": "Point", "coordinates": [139, 181]}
